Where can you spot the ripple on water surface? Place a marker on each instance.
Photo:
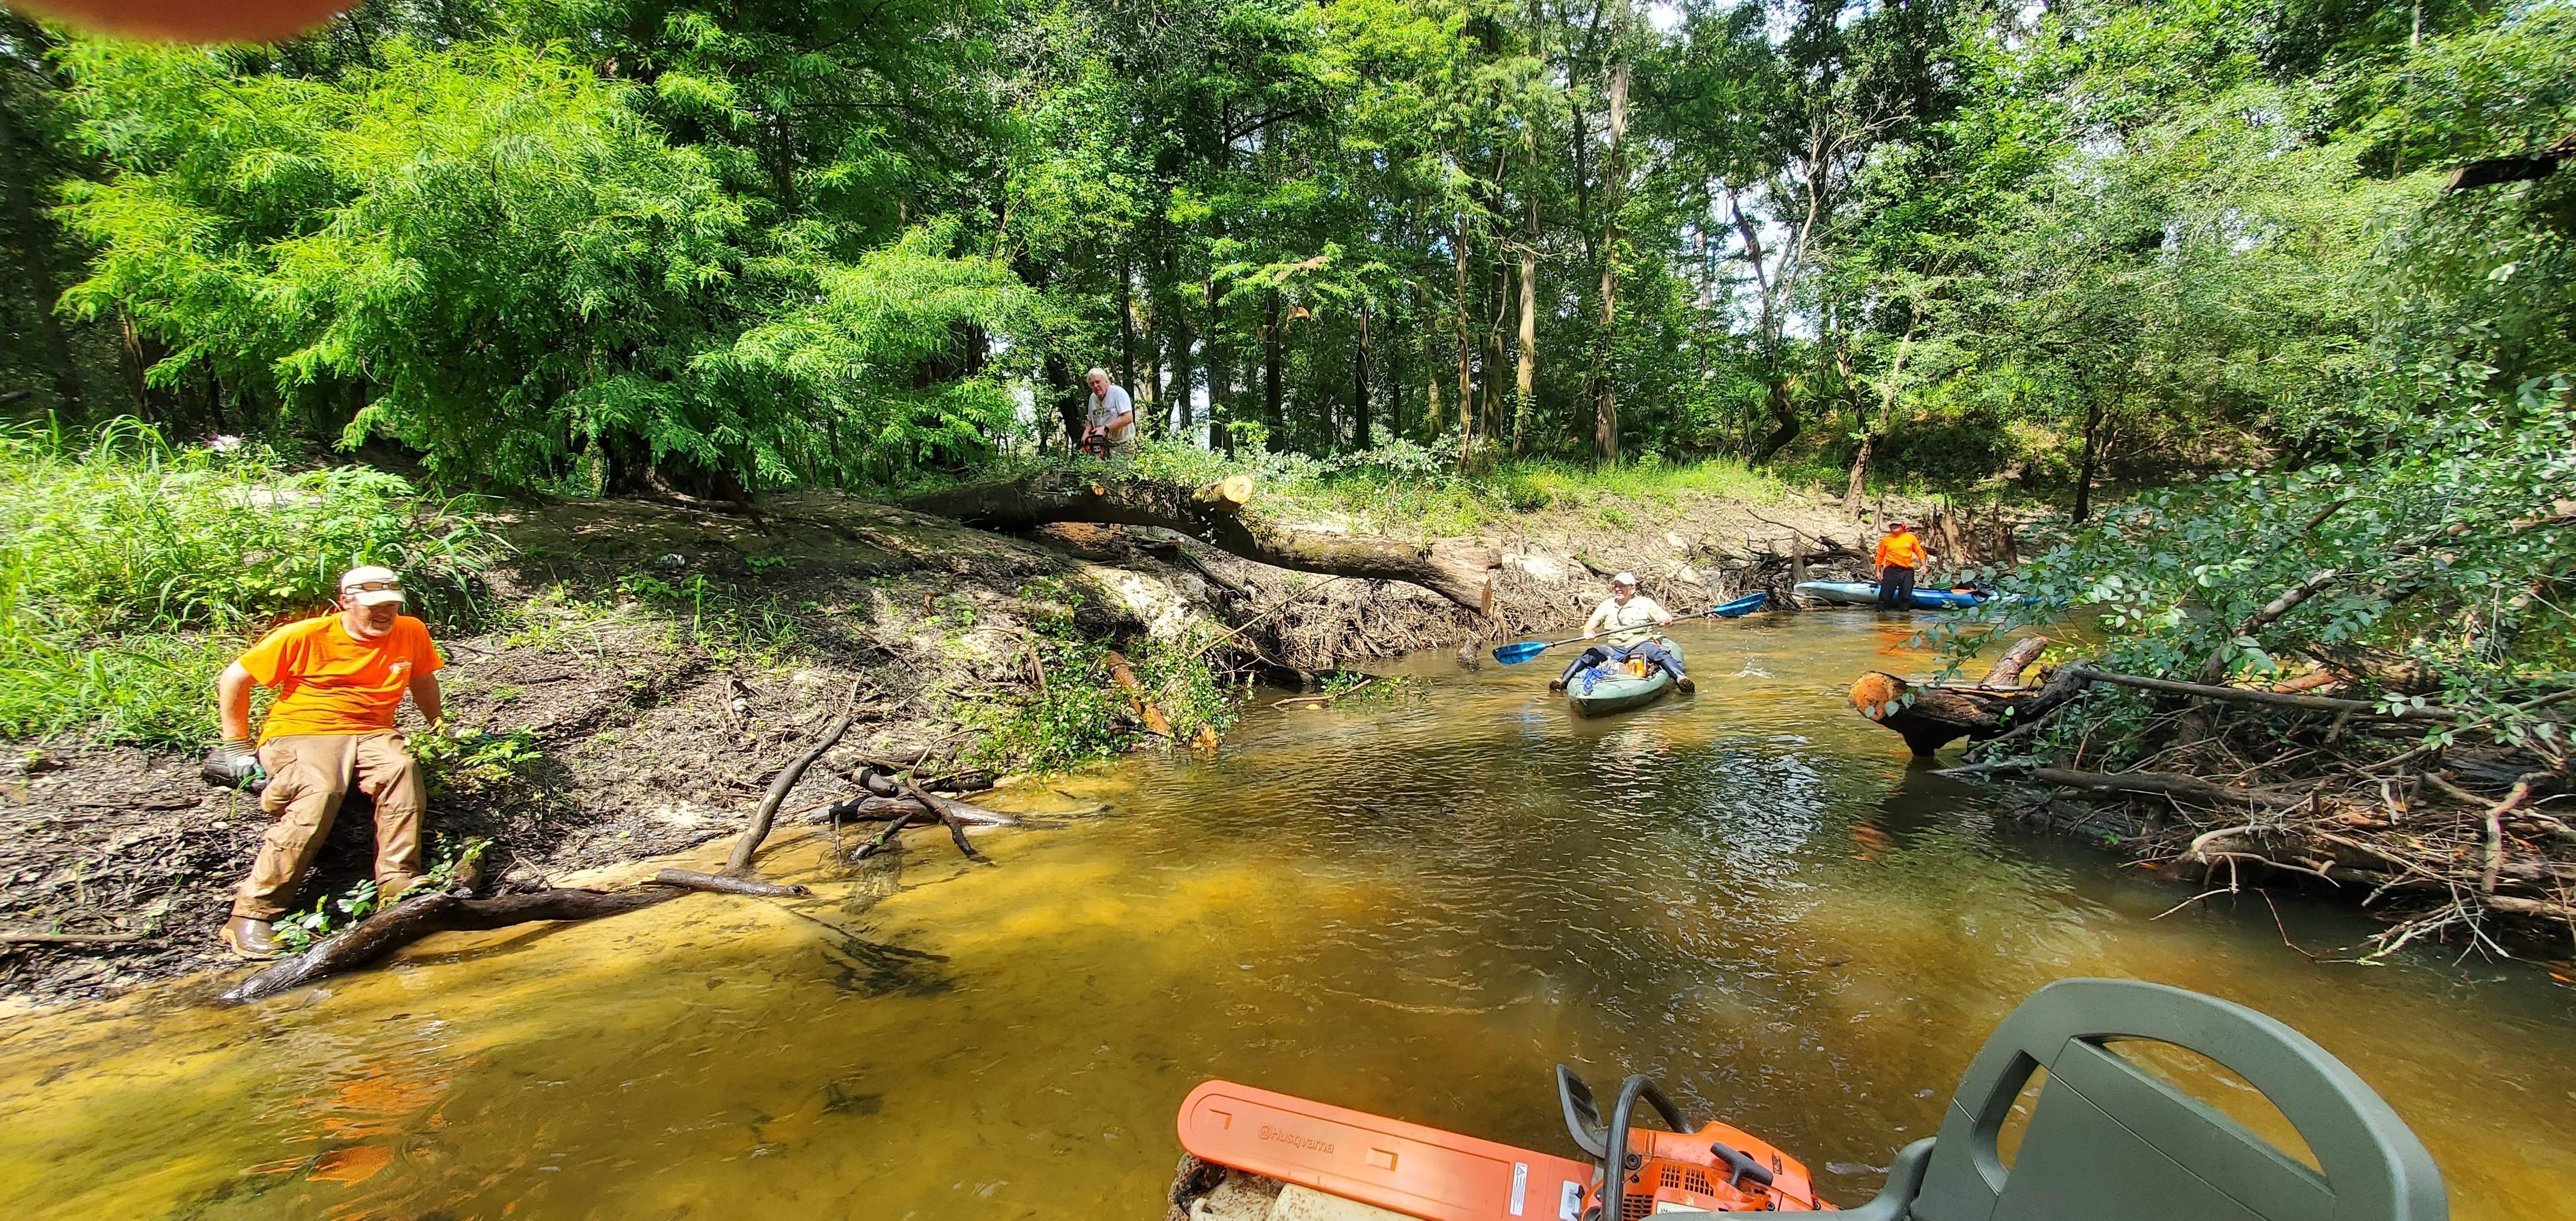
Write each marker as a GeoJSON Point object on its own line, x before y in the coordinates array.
{"type": "Point", "coordinates": [1413, 908]}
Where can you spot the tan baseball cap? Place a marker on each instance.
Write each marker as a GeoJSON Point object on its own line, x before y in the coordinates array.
{"type": "Point", "coordinates": [373, 585]}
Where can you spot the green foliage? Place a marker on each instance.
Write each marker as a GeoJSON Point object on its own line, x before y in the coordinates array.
{"type": "Point", "coordinates": [1079, 714]}
{"type": "Point", "coordinates": [469, 762]}
{"type": "Point", "coordinates": [131, 570]}
{"type": "Point", "coordinates": [2441, 557]}
{"type": "Point", "coordinates": [299, 930]}
{"type": "Point", "coordinates": [493, 247]}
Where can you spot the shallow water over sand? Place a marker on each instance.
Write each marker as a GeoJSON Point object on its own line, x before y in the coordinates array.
{"type": "Point", "coordinates": [1415, 908]}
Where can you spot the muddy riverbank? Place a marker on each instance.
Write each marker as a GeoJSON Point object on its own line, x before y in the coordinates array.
{"type": "Point", "coordinates": [643, 669]}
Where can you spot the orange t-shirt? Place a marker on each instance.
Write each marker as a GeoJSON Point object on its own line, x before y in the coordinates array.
{"type": "Point", "coordinates": [1900, 551]}
{"type": "Point", "coordinates": [328, 683]}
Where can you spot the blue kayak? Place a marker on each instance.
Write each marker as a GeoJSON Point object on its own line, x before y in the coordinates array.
{"type": "Point", "coordinates": [1865, 593]}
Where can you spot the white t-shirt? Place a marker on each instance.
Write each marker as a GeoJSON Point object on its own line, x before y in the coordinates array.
{"type": "Point", "coordinates": [1640, 612]}
{"type": "Point", "coordinates": [1106, 407]}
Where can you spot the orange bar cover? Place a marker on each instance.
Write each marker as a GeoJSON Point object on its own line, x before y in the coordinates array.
{"type": "Point", "coordinates": [1405, 1167]}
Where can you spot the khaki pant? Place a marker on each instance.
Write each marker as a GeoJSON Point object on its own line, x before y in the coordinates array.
{"type": "Point", "coordinates": [307, 776]}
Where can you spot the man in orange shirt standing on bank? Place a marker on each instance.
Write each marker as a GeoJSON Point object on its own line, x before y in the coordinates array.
{"type": "Point", "coordinates": [1900, 556]}
{"type": "Point", "coordinates": [339, 678]}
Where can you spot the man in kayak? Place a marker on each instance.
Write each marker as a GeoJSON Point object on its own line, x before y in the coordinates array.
{"type": "Point", "coordinates": [1627, 614]}
{"type": "Point", "coordinates": [339, 679]}
{"type": "Point", "coordinates": [1900, 556]}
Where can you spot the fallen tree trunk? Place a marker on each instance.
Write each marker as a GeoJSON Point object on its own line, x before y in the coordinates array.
{"type": "Point", "coordinates": [1460, 570]}
{"type": "Point", "coordinates": [1929, 718]}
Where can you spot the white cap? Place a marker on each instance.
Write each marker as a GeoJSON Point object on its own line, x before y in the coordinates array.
{"type": "Point", "coordinates": [366, 574]}
{"type": "Point", "coordinates": [1625, 578]}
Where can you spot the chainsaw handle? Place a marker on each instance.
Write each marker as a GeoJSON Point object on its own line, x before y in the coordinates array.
{"type": "Point", "coordinates": [1743, 1166]}
{"type": "Point", "coordinates": [1614, 1173]}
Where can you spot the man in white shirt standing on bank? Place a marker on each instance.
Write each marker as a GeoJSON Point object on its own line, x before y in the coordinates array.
{"type": "Point", "coordinates": [1628, 614]}
{"type": "Point", "coordinates": [1110, 414]}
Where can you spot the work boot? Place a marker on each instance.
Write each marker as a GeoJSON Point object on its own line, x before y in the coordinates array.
{"type": "Point", "coordinates": [392, 890]}
{"type": "Point", "coordinates": [251, 940]}
{"type": "Point", "coordinates": [1685, 685]}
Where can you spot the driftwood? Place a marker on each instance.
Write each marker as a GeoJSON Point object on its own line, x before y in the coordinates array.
{"type": "Point", "coordinates": [749, 845]}
{"type": "Point", "coordinates": [1457, 569]}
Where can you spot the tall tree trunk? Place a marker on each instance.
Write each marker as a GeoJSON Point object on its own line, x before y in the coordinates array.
{"type": "Point", "coordinates": [1273, 411]}
{"type": "Point", "coordinates": [32, 240]}
{"type": "Point", "coordinates": [1220, 377]}
{"type": "Point", "coordinates": [1183, 377]}
{"type": "Point", "coordinates": [1395, 384]}
{"type": "Point", "coordinates": [1360, 386]}
{"type": "Point", "coordinates": [1068, 394]}
{"type": "Point", "coordinates": [1525, 383]}
{"type": "Point", "coordinates": [1886, 408]}
{"type": "Point", "coordinates": [2093, 415]}
{"type": "Point", "coordinates": [1126, 326]}
{"type": "Point", "coordinates": [1605, 393]}
{"type": "Point", "coordinates": [1466, 380]}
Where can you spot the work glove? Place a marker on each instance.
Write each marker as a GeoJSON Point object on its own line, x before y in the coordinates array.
{"type": "Point", "coordinates": [232, 764]}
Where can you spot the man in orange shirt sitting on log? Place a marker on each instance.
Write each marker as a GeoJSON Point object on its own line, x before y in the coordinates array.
{"type": "Point", "coordinates": [339, 678]}
{"type": "Point", "coordinates": [1900, 556]}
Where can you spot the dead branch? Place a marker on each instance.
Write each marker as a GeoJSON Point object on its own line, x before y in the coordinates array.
{"type": "Point", "coordinates": [2316, 703]}
{"type": "Point", "coordinates": [693, 880]}
{"type": "Point", "coordinates": [749, 845]}
{"type": "Point", "coordinates": [371, 940]}
{"type": "Point", "coordinates": [956, 825]}
{"type": "Point", "coordinates": [2007, 668]}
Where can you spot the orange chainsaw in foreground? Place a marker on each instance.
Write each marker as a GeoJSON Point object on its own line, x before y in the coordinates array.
{"type": "Point", "coordinates": [1424, 1172]}
{"type": "Point", "coordinates": [2107, 1138]}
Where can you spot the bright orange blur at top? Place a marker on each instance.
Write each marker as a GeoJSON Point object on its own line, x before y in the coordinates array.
{"type": "Point", "coordinates": [190, 20]}
{"type": "Point", "coordinates": [1900, 550]}
{"type": "Point", "coordinates": [329, 683]}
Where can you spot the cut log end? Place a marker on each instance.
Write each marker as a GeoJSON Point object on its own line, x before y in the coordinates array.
{"type": "Point", "coordinates": [1233, 491]}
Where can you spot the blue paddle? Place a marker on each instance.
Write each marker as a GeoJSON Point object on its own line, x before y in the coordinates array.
{"type": "Point", "coordinates": [1515, 654]}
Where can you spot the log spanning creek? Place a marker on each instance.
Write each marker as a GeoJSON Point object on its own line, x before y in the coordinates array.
{"type": "Point", "coordinates": [1412, 907]}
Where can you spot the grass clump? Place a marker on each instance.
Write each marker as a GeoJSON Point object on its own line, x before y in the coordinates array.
{"type": "Point", "coordinates": [132, 570]}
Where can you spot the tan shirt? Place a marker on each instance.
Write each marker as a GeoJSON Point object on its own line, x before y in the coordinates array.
{"type": "Point", "coordinates": [1628, 621]}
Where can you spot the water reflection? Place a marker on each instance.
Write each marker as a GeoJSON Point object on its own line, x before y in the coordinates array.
{"type": "Point", "coordinates": [1414, 908]}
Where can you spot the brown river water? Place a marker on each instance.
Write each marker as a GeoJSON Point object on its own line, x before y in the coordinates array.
{"type": "Point", "coordinates": [1412, 907]}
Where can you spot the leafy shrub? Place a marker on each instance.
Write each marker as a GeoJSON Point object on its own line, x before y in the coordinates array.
{"type": "Point", "coordinates": [132, 570]}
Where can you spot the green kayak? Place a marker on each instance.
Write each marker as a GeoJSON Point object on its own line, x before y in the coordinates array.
{"type": "Point", "coordinates": [1619, 694]}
